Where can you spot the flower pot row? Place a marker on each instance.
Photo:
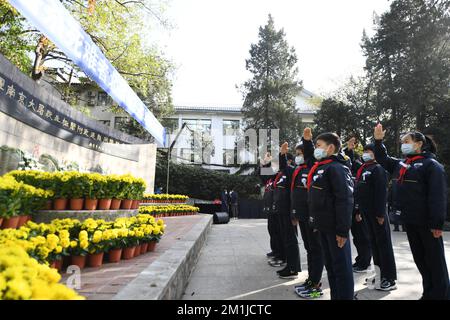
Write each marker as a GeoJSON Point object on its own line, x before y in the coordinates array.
{"type": "Point", "coordinates": [162, 201]}
{"type": "Point", "coordinates": [14, 222]}
{"type": "Point", "coordinates": [92, 204]}
{"type": "Point", "coordinates": [113, 256]}
{"type": "Point", "coordinates": [173, 214]}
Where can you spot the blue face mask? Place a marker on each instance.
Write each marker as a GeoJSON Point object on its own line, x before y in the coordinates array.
{"type": "Point", "coordinates": [408, 148]}
{"type": "Point", "coordinates": [319, 153]}
{"type": "Point", "coordinates": [299, 160]}
{"type": "Point", "coordinates": [367, 157]}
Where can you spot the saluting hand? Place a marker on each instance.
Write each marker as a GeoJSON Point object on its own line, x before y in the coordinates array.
{"type": "Point", "coordinates": [284, 148]}
{"type": "Point", "coordinates": [380, 220]}
{"type": "Point", "coordinates": [379, 133]}
{"type": "Point", "coordinates": [307, 134]}
{"type": "Point", "coordinates": [351, 143]}
{"type": "Point", "coordinates": [436, 233]}
{"type": "Point", "coordinates": [341, 241]}
{"type": "Point", "coordinates": [358, 217]}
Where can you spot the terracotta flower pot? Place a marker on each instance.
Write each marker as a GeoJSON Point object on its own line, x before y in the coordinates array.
{"type": "Point", "coordinates": [135, 204]}
{"type": "Point", "coordinates": [115, 204]}
{"type": "Point", "coordinates": [137, 251]}
{"type": "Point", "coordinates": [66, 262]}
{"type": "Point", "coordinates": [1, 221]}
{"type": "Point", "coordinates": [79, 261]}
{"type": "Point", "coordinates": [104, 204]}
{"type": "Point", "coordinates": [10, 223]}
{"type": "Point", "coordinates": [60, 204]}
{"type": "Point", "coordinates": [57, 264]}
{"type": "Point", "coordinates": [95, 260]}
{"type": "Point", "coordinates": [151, 246]}
{"type": "Point", "coordinates": [90, 204]}
{"type": "Point", "coordinates": [76, 204]}
{"type": "Point", "coordinates": [144, 247]}
{"type": "Point", "coordinates": [126, 204]}
{"type": "Point", "coordinates": [29, 218]}
{"type": "Point", "coordinates": [114, 255]}
{"type": "Point", "coordinates": [22, 221]}
{"type": "Point", "coordinates": [128, 253]}
{"type": "Point", "coordinates": [48, 205]}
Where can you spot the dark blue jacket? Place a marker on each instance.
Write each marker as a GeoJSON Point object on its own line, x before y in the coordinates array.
{"type": "Point", "coordinates": [299, 195]}
{"type": "Point", "coordinates": [371, 190]}
{"type": "Point", "coordinates": [330, 197]}
{"type": "Point", "coordinates": [422, 197]}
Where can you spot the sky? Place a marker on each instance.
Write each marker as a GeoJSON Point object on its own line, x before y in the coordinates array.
{"type": "Point", "coordinates": [210, 41]}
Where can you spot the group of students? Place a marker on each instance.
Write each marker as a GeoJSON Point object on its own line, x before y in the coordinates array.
{"type": "Point", "coordinates": [328, 192]}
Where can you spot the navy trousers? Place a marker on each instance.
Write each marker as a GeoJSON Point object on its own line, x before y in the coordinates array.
{"type": "Point", "coordinates": [276, 241]}
{"type": "Point", "coordinates": [381, 243]}
{"type": "Point", "coordinates": [313, 247]}
{"type": "Point", "coordinates": [428, 254]}
{"type": "Point", "coordinates": [290, 242]}
{"type": "Point", "coordinates": [338, 262]}
{"type": "Point", "coordinates": [362, 243]}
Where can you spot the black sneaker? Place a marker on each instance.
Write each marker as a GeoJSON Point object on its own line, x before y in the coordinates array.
{"type": "Point", "coordinates": [288, 274]}
{"type": "Point", "coordinates": [282, 270]}
{"type": "Point", "coordinates": [276, 263]}
{"type": "Point", "coordinates": [387, 285]}
{"type": "Point", "coordinates": [270, 254]}
{"type": "Point", "coordinates": [358, 269]}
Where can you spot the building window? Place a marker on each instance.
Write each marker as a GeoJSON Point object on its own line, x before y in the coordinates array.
{"type": "Point", "coordinates": [102, 99]}
{"type": "Point", "coordinates": [230, 127]}
{"type": "Point", "coordinates": [187, 155]}
{"type": "Point", "coordinates": [170, 124]}
{"type": "Point", "coordinates": [105, 122]}
{"type": "Point", "coordinates": [229, 157]}
{"type": "Point", "coordinates": [120, 122]}
{"type": "Point", "coordinates": [91, 98]}
{"type": "Point", "coordinates": [198, 125]}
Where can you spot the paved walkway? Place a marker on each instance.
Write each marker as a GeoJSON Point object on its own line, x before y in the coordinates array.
{"type": "Point", "coordinates": [232, 265]}
{"type": "Point", "coordinates": [105, 282]}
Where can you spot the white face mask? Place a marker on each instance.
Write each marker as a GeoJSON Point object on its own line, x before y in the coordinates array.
{"type": "Point", "coordinates": [367, 157]}
{"type": "Point", "coordinates": [299, 160]}
{"type": "Point", "coordinates": [319, 153]}
{"type": "Point", "coordinates": [408, 148]}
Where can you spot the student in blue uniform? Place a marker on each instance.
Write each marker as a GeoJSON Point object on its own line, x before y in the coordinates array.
{"type": "Point", "coordinates": [304, 160]}
{"type": "Point", "coordinates": [371, 186]}
{"type": "Point", "coordinates": [276, 256]}
{"type": "Point", "coordinates": [359, 229]}
{"type": "Point", "coordinates": [420, 196]}
{"type": "Point", "coordinates": [330, 200]}
{"type": "Point", "coordinates": [281, 207]}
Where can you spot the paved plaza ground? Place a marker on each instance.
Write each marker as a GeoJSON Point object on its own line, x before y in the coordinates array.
{"type": "Point", "coordinates": [232, 265]}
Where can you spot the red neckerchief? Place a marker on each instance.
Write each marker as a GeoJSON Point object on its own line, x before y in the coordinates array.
{"type": "Point", "coordinates": [279, 174]}
{"type": "Point", "coordinates": [313, 170]}
{"type": "Point", "coordinates": [361, 169]}
{"type": "Point", "coordinates": [294, 176]}
{"type": "Point", "coordinates": [403, 169]}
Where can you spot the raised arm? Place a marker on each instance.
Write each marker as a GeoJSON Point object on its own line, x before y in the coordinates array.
{"type": "Point", "coordinates": [308, 145]}
{"type": "Point", "coordinates": [381, 155]}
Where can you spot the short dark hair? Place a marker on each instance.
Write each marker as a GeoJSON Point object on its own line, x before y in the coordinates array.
{"type": "Point", "coordinates": [428, 143]}
{"type": "Point", "coordinates": [369, 147]}
{"type": "Point", "coordinates": [331, 138]}
{"type": "Point", "coordinates": [300, 147]}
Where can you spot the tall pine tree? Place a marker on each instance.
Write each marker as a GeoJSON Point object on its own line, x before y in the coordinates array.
{"type": "Point", "coordinates": [270, 93]}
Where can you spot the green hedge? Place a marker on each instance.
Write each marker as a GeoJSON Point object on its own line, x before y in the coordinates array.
{"type": "Point", "coordinates": [200, 183]}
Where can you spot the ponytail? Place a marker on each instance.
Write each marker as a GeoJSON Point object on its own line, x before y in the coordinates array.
{"type": "Point", "coordinates": [429, 145]}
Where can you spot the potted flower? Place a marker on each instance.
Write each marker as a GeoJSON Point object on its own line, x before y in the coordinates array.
{"type": "Point", "coordinates": [130, 242]}
{"type": "Point", "coordinates": [10, 201]}
{"type": "Point", "coordinates": [78, 183]}
{"type": "Point", "coordinates": [79, 249]}
{"type": "Point", "coordinates": [106, 187]}
{"type": "Point", "coordinates": [96, 249]}
{"type": "Point", "coordinates": [62, 190]}
{"type": "Point", "coordinates": [116, 191]}
{"type": "Point", "coordinates": [95, 182]}
{"type": "Point", "coordinates": [115, 243]}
